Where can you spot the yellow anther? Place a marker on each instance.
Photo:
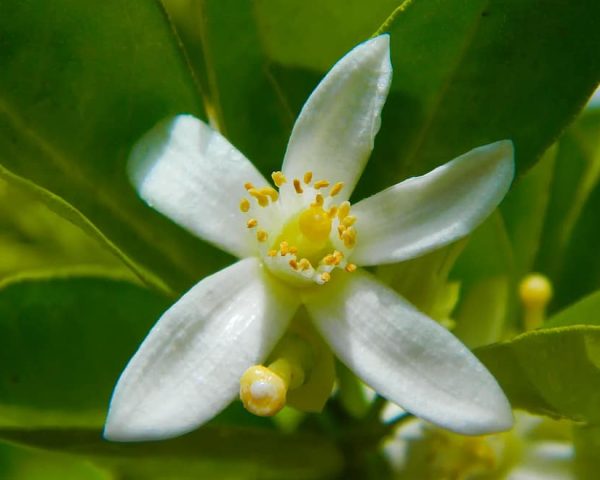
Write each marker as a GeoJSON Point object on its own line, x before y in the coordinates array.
{"type": "Point", "coordinates": [329, 259]}
{"type": "Point", "coordinates": [332, 212]}
{"type": "Point", "coordinates": [535, 291]}
{"type": "Point", "coordinates": [270, 192]}
{"type": "Point", "coordinates": [321, 184]}
{"type": "Point", "coordinates": [297, 186]}
{"type": "Point", "coordinates": [248, 186]}
{"type": "Point", "coordinates": [262, 391]}
{"type": "Point", "coordinates": [341, 229]}
{"type": "Point", "coordinates": [304, 264]}
{"type": "Point", "coordinates": [244, 205]}
{"type": "Point", "coordinates": [294, 264]}
{"type": "Point", "coordinates": [349, 237]}
{"type": "Point", "coordinates": [349, 220]}
{"type": "Point", "coordinates": [343, 210]}
{"type": "Point", "coordinates": [318, 200]}
{"type": "Point", "coordinates": [325, 276]}
{"type": "Point", "coordinates": [261, 198]}
{"type": "Point", "coordinates": [284, 248]}
{"type": "Point", "coordinates": [272, 253]}
{"type": "Point", "coordinates": [252, 223]}
{"type": "Point", "coordinates": [350, 268]}
{"type": "Point", "coordinates": [307, 177]}
{"type": "Point", "coordinates": [294, 250]}
{"type": "Point", "coordinates": [337, 188]}
{"type": "Point", "coordinates": [338, 256]}
{"type": "Point", "coordinates": [261, 235]}
{"type": "Point", "coordinates": [278, 178]}
{"type": "Point", "coordinates": [315, 224]}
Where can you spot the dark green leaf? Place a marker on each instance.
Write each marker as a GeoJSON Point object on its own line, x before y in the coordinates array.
{"type": "Point", "coordinates": [65, 342]}
{"type": "Point", "coordinates": [212, 452]}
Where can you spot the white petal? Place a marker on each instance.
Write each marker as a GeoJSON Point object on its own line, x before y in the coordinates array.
{"type": "Point", "coordinates": [189, 366]}
{"type": "Point", "coordinates": [334, 133]}
{"type": "Point", "coordinates": [407, 357]}
{"type": "Point", "coordinates": [428, 212]}
{"type": "Point", "coordinates": [193, 175]}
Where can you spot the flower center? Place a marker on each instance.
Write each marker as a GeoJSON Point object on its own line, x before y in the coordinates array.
{"type": "Point", "coordinates": [302, 234]}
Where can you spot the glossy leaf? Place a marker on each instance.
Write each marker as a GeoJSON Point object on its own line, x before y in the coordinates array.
{"type": "Point", "coordinates": [65, 341]}
{"type": "Point", "coordinates": [80, 84]}
{"type": "Point", "coordinates": [213, 452]}
{"type": "Point", "coordinates": [554, 371]}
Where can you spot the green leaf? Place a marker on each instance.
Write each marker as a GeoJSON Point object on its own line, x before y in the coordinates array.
{"type": "Point", "coordinates": [33, 237]}
{"type": "Point", "coordinates": [524, 211]}
{"type": "Point", "coordinates": [587, 446]}
{"type": "Point", "coordinates": [25, 464]}
{"type": "Point", "coordinates": [80, 84]}
{"type": "Point", "coordinates": [470, 73]}
{"type": "Point", "coordinates": [584, 312]}
{"type": "Point", "coordinates": [554, 371]}
{"type": "Point", "coordinates": [570, 236]}
{"type": "Point", "coordinates": [66, 340]}
{"type": "Point", "coordinates": [212, 452]}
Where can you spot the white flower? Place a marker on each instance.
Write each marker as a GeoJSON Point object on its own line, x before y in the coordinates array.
{"type": "Point", "coordinates": [301, 245]}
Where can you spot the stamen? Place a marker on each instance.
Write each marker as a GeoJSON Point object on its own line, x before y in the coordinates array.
{"type": "Point", "coordinates": [344, 210]}
{"type": "Point", "coordinates": [304, 264]}
{"type": "Point", "coordinates": [332, 211]}
{"type": "Point", "coordinates": [318, 200]}
{"type": "Point", "coordinates": [321, 184]}
{"type": "Point", "coordinates": [248, 186]}
{"type": "Point", "coordinates": [261, 235]}
{"type": "Point", "coordinates": [294, 264]}
{"type": "Point", "coordinates": [252, 223]}
{"type": "Point", "coordinates": [278, 178]}
{"type": "Point", "coordinates": [349, 220]}
{"type": "Point", "coordinates": [308, 177]}
{"type": "Point", "coordinates": [349, 237]}
{"type": "Point", "coordinates": [294, 250]}
{"type": "Point", "coordinates": [329, 259]}
{"type": "Point", "coordinates": [284, 248]}
{"type": "Point", "coordinates": [261, 198]}
{"type": "Point", "coordinates": [325, 276]}
{"type": "Point", "coordinates": [272, 253]}
{"type": "Point", "coordinates": [337, 188]}
{"type": "Point", "coordinates": [351, 268]}
{"type": "Point", "coordinates": [244, 205]}
{"type": "Point", "coordinates": [297, 186]}
{"type": "Point", "coordinates": [270, 192]}
{"type": "Point", "coordinates": [341, 229]}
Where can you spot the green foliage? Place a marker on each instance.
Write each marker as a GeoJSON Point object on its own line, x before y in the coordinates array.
{"type": "Point", "coordinates": [213, 452]}
{"type": "Point", "coordinates": [70, 337]}
{"type": "Point", "coordinates": [82, 81]}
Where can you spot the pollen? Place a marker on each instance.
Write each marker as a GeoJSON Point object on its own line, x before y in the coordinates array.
{"type": "Point", "coordinates": [351, 268]}
{"type": "Point", "coordinates": [325, 276]}
{"type": "Point", "coordinates": [261, 235]}
{"type": "Point", "coordinates": [278, 178]}
{"type": "Point", "coordinates": [297, 186]}
{"type": "Point", "coordinates": [248, 186]}
{"type": "Point", "coordinates": [270, 192]}
{"type": "Point", "coordinates": [293, 263]}
{"type": "Point", "coordinates": [349, 220]}
{"type": "Point", "coordinates": [244, 205]}
{"type": "Point", "coordinates": [337, 188]}
{"type": "Point", "coordinates": [321, 184]}
{"type": "Point", "coordinates": [343, 210]}
{"type": "Point", "coordinates": [272, 253]}
{"type": "Point", "coordinates": [261, 198]}
{"type": "Point", "coordinates": [252, 223]}
{"type": "Point", "coordinates": [284, 248]}
{"type": "Point", "coordinates": [308, 177]}
{"type": "Point", "coordinates": [304, 264]}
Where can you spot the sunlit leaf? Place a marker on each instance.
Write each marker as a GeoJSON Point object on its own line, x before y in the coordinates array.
{"type": "Point", "coordinates": [553, 371]}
